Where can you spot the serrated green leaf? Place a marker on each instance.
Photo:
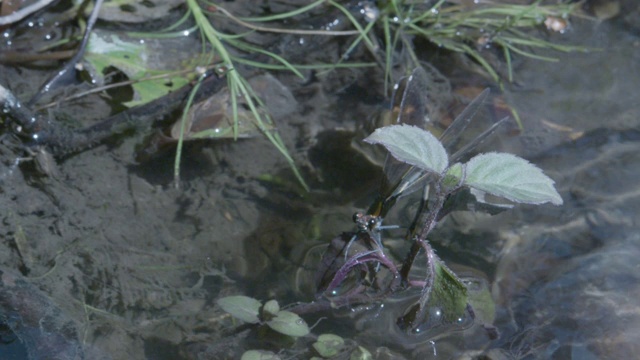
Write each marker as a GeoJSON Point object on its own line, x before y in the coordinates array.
{"type": "Point", "coordinates": [412, 145]}
{"type": "Point", "coordinates": [241, 307]}
{"type": "Point", "coordinates": [449, 294]}
{"type": "Point", "coordinates": [288, 323]}
{"type": "Point", "coordinates": [512, 178]}
{"type": "Point", "coordinates": [328, 345]}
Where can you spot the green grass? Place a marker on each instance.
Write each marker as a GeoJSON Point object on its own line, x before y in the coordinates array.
{"type": "Point", "coordinates": [457, 28]}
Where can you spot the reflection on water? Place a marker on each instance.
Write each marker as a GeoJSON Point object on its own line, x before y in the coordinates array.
{"type": "Point", "coordinates": [565, 280]}
{"type": "Point", "coordinates": [570, 280]}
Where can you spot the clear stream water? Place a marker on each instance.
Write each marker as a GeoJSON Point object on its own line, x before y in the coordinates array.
{"type": "Point", "coordinates": [136, 265]}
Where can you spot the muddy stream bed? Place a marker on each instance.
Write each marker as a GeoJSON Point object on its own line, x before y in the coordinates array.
{"type": "Point", "coordinates": [104, 258]}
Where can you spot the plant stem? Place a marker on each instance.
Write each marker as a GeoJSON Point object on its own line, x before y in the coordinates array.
{"type": "Point", "coordinates": [428, 225]}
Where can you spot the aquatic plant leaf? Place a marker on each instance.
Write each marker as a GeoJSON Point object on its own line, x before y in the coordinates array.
{"type": "Point", "coordinates": [449, 294]}
{"type": "Point", "coordinates": [132, 58]}
{"type": "Point", "coordinates": [512, 178]}
{"type": "Point", "coordinates": [271, 307]}
{"type": "Point", "coordinates": [259, 355]}
{"type": "Point", "coordinates": [442, 305]}
{"type": "Point", "coordinates": [453, 176]}
{"type": "Point", "coordinates": [288, 323]}
{"type": "Point", "coordinates": [360, 353]}
{"type": "Point", "coordinates": [480, 299]}
{"type": "Point", "coordinates": [241, 307]}
{"type": "Point", "coordinates": [412, 145]}
{"type": "Point", "coordinates": [328, 345]}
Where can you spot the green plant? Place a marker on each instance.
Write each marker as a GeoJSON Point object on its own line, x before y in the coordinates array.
{"type": "Point", "coordinates": [469, 29]}
{"type": "Point", "coordinates": [252, 311]}
{"type": "Point", "coordinates": [358, 269]}
{"type": "Point", "coordinates": [352, 273]}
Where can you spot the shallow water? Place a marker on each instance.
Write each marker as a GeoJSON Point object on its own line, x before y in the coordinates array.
{"type": "Point", "coordinates": [137, 265]}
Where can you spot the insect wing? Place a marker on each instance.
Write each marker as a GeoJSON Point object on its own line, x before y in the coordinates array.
{"type": "Point", "coordinates": [463, 153]}
{"type": "Point", "coordinates": [409, 107]}
{"type": "Point", "coordinates": [451, 135]}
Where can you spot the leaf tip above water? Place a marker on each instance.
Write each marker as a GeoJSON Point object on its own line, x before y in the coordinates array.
{"type": "Point", "coordinates": [412, 145]}
{"type": "Point", "coordinates": [512, 178]}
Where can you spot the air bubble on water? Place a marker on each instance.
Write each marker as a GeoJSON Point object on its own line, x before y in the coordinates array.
{"type": "Point", "coordinates": [435, 314]}
{"type": "Point", "coordinates": [370, 12]}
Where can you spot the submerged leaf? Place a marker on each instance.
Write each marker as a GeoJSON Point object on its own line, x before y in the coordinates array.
{"type": "Point", "coordinates": [259, 355]}
{"type": "Point", "coordinates": [449, 295]}
{"type": "Point", "coordinates": [135, 59]}
{"type": "Point", "coordinates": [442, 306]}
{"type": "Point", "coordinates": [412, 145]}
{"type": "Point", "coordinates": [271, 307]}
{"type": "Point", "coordinates": [288, 323]}
{"type": "Point", "coordinates": [512, 178]}
{"type": "Point", "coordinates": [328, 345]}
{"type": "Point", "coordinates": [361, 353]}
{"type": "Point", "coordinates": [241, 307]}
